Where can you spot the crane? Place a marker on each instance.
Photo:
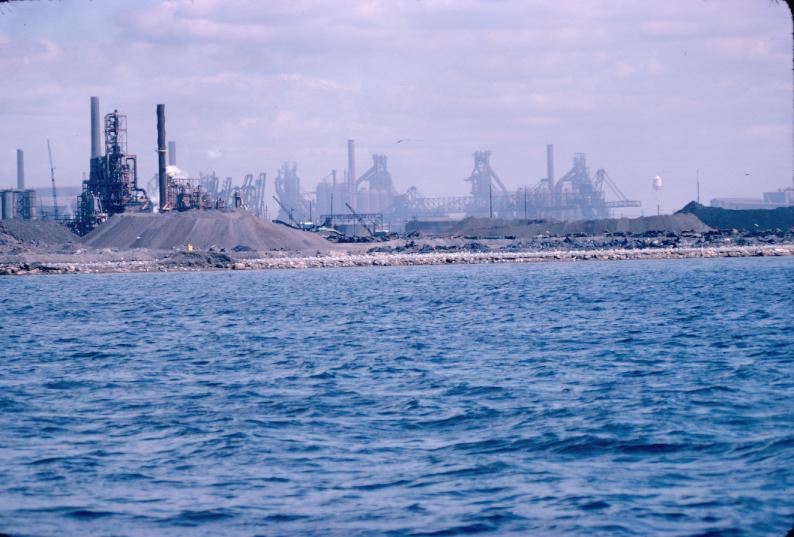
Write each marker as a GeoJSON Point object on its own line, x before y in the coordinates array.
{"type": "Point", "coordinates": [289, 213]}
{"type": "Point", "coordinates": [361, 221]}
{"type": "Point", "coordinates": [52, 176]}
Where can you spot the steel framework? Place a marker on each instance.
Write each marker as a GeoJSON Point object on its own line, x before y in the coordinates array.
{"type": "Point", "coordinates": [576, 195]}
{"type": "Point", "coordinates": [112, 186]}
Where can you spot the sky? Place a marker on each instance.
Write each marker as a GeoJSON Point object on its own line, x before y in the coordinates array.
{"type": "Point", "coordinates": [643, 88]}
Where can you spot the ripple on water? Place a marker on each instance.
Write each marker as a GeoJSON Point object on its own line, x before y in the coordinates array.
{"type": "Point", "coordinates": [637, 398]}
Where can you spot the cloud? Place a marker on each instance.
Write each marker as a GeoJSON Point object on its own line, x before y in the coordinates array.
{"type": "Point", "coordinates": [18, 52]}
{"type": "Point", "coordinates": [639, 86]}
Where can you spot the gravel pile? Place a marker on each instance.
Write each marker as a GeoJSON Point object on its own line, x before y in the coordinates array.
{"type": "Point", "coordinates": [35, 234]}
{"type": "Point", "coordinates": [484, 227]}
{"type": "Point", "coordinates": [203, 230]}
{"type": "Point", "coordinates": [747, 219]}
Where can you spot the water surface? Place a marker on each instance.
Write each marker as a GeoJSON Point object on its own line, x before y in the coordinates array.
{"type": "Point", "coordinates": [598, 398]}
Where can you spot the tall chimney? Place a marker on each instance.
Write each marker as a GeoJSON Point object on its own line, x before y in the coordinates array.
{"type": "Point", "coordinates": [96, 142]}
{"type": "Point", "coordinates": [20, 170]}
{"type": "Point", "coordinates": [351, 172]}
{"type": "Point", "coordinates": [161, 151]}
{"type": "Point", "coordinates": [550, 164]}
{"type": "Point", "coordinates": [172, 153]}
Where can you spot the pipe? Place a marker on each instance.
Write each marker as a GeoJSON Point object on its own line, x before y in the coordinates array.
{"type": "Point", "coordinates": [351, 171]}
{"type": "Point", "coordinates": [550, 164]}
{"type": "Point", "coordinates": [172, 153]}
{"type": "Point", "coordinates": [96, 142]}
{"type": "Point", "coordinates": [20, 170]}
{"type": "Point", "coordinates": [161, 151]}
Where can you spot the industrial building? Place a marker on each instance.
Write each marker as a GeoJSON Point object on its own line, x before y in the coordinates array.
{"type": "Point", "coordinates": [369, 200]}
{"type": "Point", "coordinates": [178, 192]}
{"type": "Point", "coordinates": [19, 202]}
{"type": "Point", "coordinates": [112, 184]}
{"type": "Point", "coordinates": [783, 197]}
{"type": "Point", "coordinates": [575, 195]}
{"type": "Point", "coordinates": [293, 206]}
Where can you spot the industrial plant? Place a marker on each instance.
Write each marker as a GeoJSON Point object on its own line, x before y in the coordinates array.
{"type": "Point", "coordinates": [368, 201]}
{"type": "Point", "coordinates": [120, 221]}
{"type": "Point", "coordinates": [113, 184]}
{"type": "Point", "coordinates": [576, 195]}
{"type": "Point", "coordinates": [343, 203]}
{"type": "Point", "coordinates": [346, 203]}
{"type": "Point", "coordinates": [19, 202]}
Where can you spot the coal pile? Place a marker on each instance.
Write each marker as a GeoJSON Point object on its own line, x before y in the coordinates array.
{"type": "Point", "coordinates": [485, 227]}
{"type": "Point", "coordinates": [204, 230]}
{"type": "Point", "coordinates": [745, 219]}
{"type": "Point", "coordinates": [34, 234]}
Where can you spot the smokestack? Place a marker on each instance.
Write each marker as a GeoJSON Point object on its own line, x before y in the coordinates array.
{"type": "Point", "coordinates": [20, 170]}
{"type": "Point", "coordinates": [161, 151]}
{"type": "Point", "coordinates": [96, 142]}
{"type": "Point", "coordinates": [550, 163]}
{"type": "Point", "coordinates": [172, 153]}
{"type": "Point", "coordinates": [351, 171]}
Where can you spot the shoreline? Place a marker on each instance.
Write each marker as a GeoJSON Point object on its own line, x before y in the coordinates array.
{"type": "Point", "coordinates": [203, 262]}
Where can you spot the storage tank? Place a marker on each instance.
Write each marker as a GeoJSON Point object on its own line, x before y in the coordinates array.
{"type": "Point", "coordinates": [657, 182]}
{"type": "Point", "coordinates": [9, 207]}
{"type": "Point", "coordinates": [31, 205]}
{"type": "Point", "coordinates": [657, 188]}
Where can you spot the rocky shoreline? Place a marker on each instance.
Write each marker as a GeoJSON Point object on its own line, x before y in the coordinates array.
{"type": "Point", "coordinates": [215, 261]}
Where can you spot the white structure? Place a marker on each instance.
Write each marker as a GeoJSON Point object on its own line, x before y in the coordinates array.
{"type": "Point", "coordinates": [657, 188]}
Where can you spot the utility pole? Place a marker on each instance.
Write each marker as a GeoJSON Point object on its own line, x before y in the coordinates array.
{"type": "Point", "coordinates": [52, 176]}
{"type": "Point", "coordinates": [525, 203]}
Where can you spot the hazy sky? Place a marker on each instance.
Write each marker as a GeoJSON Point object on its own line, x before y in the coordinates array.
{"type": "Point", "coordinates": [643, 88]}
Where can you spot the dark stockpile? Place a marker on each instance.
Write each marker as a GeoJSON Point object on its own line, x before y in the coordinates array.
{"type": "Point", "coordinates": [237, 230]}
{"type": "Point", "coordinates": [484, 227]}
{"type": "Point", "coordinates": [25, 234]}
{"type": "Point", "coordinates": [746, 219]}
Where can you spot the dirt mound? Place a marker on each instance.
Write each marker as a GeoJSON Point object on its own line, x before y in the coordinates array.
{"type": "Point", "coordinates": [202, 229]}
{"type": "Point", "coordinates": [745, 219]}
{"type": "Point", "coordinates": [34, 233]}
{"type": "Point", "coordinates": [484, 227]}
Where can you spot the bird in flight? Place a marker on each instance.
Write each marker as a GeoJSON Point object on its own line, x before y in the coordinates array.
{"type": "Point", "coordinates": [401, 140]}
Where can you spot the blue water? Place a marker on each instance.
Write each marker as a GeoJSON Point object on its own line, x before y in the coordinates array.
{"type": "Point", "coordinates": [614, 398]}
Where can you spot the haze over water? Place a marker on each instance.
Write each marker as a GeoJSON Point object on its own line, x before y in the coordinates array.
{"type": "Point", "coordinates": [614, 398]}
